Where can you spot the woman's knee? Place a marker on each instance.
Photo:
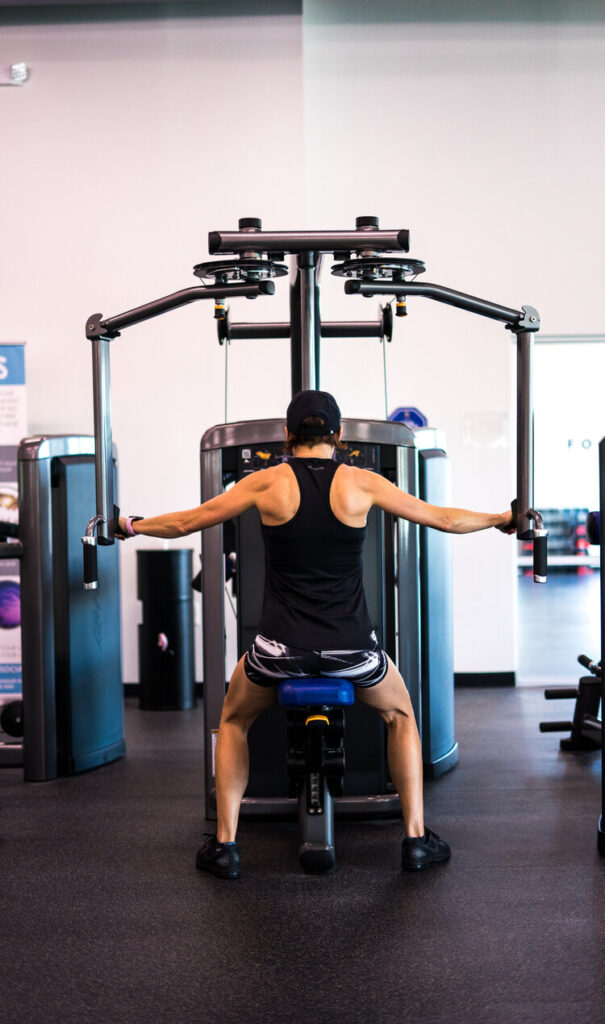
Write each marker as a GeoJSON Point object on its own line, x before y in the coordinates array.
{"type": "Point", "coordinates": [390, 699]}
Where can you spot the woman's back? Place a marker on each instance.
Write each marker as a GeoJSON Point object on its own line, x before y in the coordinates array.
{"type": "Point", "coordinates": [314, 595]}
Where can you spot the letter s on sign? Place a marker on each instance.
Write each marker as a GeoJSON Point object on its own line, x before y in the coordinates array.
{"type": "Point", "coordinates": [3, 368]}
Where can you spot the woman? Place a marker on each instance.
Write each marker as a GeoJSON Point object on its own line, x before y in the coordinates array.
{"type": "Point", "coordinates": [314, 620]}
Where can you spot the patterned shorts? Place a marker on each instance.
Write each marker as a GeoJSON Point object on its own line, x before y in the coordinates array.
{"type": "Point", "coordinates": [268, 662]}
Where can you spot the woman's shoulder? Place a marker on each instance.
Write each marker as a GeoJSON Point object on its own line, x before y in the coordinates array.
{"type": "Point", "coordinates": [354, 477]}
{"type": "Point", "coordinates": [272, 476]}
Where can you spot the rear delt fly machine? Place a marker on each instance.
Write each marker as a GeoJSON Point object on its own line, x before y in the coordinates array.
{"type": "Point", "coordinates": [407, 574]}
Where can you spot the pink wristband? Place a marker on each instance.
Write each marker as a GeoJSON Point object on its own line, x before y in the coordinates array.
{"type": "Point", "coordinates": [129, 521]}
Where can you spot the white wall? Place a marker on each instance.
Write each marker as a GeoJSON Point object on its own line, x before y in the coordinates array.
{"type": "Point", "coordinates": [129, 143]}
{"type": "Point", "coordinates": [134, 138]}
{"type": "Point", "coordinates": [485, 139]}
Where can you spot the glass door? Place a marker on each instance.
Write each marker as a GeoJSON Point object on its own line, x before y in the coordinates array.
{"type": "Point", "coordinates": [559, 621]}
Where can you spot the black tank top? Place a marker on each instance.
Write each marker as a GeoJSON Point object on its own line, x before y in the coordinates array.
{"type": "Point", "coordinates": [314, 596]}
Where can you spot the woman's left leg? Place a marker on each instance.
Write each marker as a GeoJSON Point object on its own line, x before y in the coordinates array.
{"type": "Point", "coordinates": [243, 703]}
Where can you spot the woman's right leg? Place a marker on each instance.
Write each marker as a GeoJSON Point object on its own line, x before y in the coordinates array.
{"type": "Point", "coordinates": [392, 701]}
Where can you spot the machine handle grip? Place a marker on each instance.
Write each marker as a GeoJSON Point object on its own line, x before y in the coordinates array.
{"type": "Point", "coordinates": [592, 666]}
{"type": "Point", "coordinates": [540, 555]}
{"type": "Point", "coordinates": [556, 726]}
{"type": "Point", "coordinates": [89, 547]}
{"type": "Point", "coordinates": [562, 693]}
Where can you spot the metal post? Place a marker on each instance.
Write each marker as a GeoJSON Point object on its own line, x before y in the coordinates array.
{"type": "Point", "coordinates": [525, 434]}
{"type": "Point", "coordinates": [103, 442]}
{"type": "Point", "coordinates": [309, 367]}
{"type": "Point", "coordinates": [304, 339]}
{"type": "Point", "coordinates": [213, 575]}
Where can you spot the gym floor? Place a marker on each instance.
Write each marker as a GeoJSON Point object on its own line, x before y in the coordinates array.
{"type": "Point", "coordinates": [105, 918]}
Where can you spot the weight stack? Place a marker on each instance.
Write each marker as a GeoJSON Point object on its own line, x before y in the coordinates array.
{"type": "Point", "coordinates": [166, 657]}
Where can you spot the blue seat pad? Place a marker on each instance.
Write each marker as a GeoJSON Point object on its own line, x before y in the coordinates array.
{"type": "Point", "coordinates": [315, 691]}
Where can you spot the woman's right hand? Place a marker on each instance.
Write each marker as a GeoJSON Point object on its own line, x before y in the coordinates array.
{"type": "Point", "coordinates": [507, 525]}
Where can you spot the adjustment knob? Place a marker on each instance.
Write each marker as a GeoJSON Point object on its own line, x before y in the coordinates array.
{"type": "Point", "coordinates": [250, 223]}
{"type": "Point", "coordinates": [366, 222]}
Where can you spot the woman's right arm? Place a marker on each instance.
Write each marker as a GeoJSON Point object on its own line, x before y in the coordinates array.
{"type": "Point", "coordinates": [231, 503]}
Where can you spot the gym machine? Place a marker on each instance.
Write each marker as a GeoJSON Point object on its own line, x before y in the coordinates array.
{"type": "Point", "coordinates": [585, 728]}
{"type": "Point", "coordinates": [72, 710]}
{"type": "Point", "coordinates": [406, 569]}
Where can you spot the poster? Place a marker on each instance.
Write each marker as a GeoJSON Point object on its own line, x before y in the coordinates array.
{"type": "Point", "coordinates": [13, 427]}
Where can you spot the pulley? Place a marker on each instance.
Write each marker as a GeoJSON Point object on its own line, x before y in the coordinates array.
{"type": "Point", "coordinates": [379, 268]}
{"type": "Point", "coordinates": [247, 269]}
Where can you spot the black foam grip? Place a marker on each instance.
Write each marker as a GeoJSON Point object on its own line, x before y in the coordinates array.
{"type": "Point", "coordinates": [562, 693]}
{"type": "Point", "coordinates": [540, 556]}
{"type": "Point", "coordinates": [586, 662]}
{"type": "Point", "coordinates": [593, 527]}
{"type": "Point", "coordinates": [90, 563]}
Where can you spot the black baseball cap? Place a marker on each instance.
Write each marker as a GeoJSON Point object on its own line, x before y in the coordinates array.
{"type": "Point", "coordinates": [312, 403]}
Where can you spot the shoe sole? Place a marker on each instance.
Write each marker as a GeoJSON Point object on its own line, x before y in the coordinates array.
{"type": "Point", "coordinates": [229, 875]}
{"type": "Point", "coordinates": [424, 867]}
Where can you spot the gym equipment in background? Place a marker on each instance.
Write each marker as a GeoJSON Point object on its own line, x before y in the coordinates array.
{"type": "Point", "coordinates": [72, 683]}
{"type": "Point", "coordinates": [405, 574]}
{"type": "Point", "coordinates": [166, 658]}
{"type": "Point", "coordinates": [585, 728]}
{"type": "Point", "coordinates": [316, 760]}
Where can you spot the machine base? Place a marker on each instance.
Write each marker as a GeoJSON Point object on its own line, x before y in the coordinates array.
{"type": "Point", "coordinates": [316, 859]}
{"type": "Point", "coordinates": [286, 808]}
{"type": "Point", "coordinates": [443, 764]}
{"type": "Point", "coordinates": [11, 755]}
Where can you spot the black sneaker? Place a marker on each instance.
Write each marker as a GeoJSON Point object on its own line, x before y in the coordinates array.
{"type": "Point", "coordinates": [220, 859]}
{"type": "Point", "coordinates": [423, 852]}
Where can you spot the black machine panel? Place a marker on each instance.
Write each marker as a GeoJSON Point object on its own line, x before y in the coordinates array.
{"type": "Point", "coordinates": [89, 692]}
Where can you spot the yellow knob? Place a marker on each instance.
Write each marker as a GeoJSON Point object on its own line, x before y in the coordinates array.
{"type": "Point", "coordinates": [317, 718]}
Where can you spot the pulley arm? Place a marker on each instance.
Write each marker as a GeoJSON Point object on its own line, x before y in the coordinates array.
{"type": "Point", "coordinates": [526, 319]}
{"type": "Point", "coordinates": [100, 331]}
{"type": "Point", "coordinates": [110, 327]}
{"type": "Point", "coordinates": [365, 279]}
